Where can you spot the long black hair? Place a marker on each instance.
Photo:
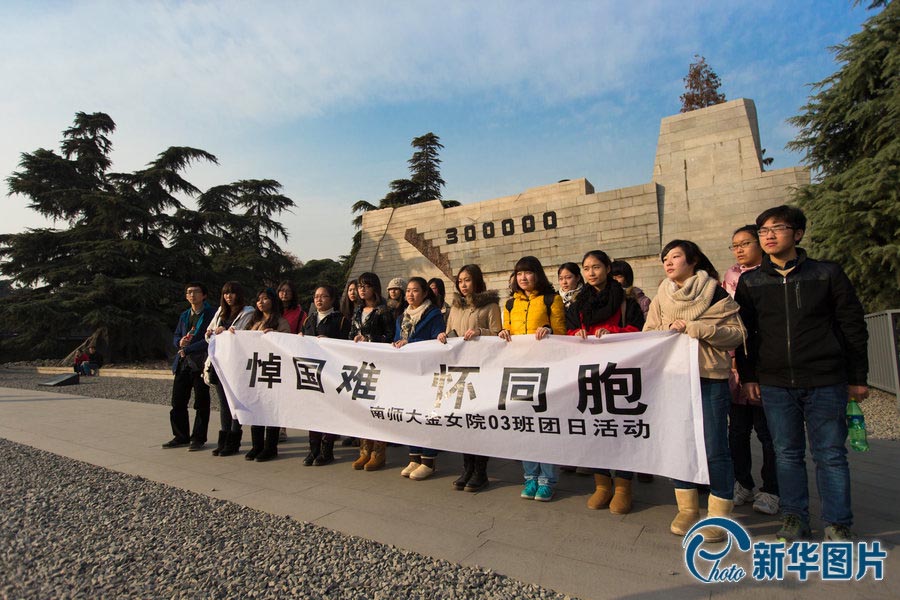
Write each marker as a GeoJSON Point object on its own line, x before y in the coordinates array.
{"type": "Point", "coordinates": [294, 301]}
{"type": "Point", "coordinates": [277, 309]}
{"type": "Point", "coordinates": [477, 276]}
{"type": "Point", "coordinates": [232, 287]}
{"type": "Point", "coordinates": [429, 293]}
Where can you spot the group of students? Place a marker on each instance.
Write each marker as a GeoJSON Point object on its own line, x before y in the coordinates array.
{"type": "Point", "coordinates": [782, 342]}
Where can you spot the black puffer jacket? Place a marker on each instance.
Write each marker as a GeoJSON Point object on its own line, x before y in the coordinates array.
{"type": "Point", "coordinates": [379, 327]}
{"type": "Point", "coordinates": [803, 330]}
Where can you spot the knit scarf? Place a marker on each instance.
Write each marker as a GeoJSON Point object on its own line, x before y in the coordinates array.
{"type": "Point", "coordinates": [689, 301]}
{"type": "Point", "coordinates": [411, 317]}
{"type": "Point", "coordinates": [597, 307]}
{"type": "Point", "coordinates": [569, 297]}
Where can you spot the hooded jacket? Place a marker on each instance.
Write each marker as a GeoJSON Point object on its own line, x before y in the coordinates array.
{"type": "Point", "coordinates": [482, 314]}
{"type": "Point", "coordinates": [805, 329]}
{"type": "Point", "coordinates": [711, 317]}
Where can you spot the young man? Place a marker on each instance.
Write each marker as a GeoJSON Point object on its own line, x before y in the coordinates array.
{"type": "Point", "coordinates": [806, 353]}
{"type": "Point", "coordinates": [188, 369]}
{"type": "Point", "coordinates": [745, 414]}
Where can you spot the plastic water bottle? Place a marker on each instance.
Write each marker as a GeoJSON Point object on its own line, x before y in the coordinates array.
{"type": "Point", "coordinates": [856, 427]}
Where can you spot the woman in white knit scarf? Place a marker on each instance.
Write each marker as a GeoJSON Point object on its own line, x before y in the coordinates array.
{"type": "Point", "coordinates": [691, 301]}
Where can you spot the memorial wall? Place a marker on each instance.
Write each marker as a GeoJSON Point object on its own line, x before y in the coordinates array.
{"type": "Point", "coordinates": [707, 181]}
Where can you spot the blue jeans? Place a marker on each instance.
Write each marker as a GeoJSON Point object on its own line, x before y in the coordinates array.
{"type": "Point", "coordinates": [545, 473]}
{"type": "Point", "coordinates": [821, 414]}
{"type": "Point", "coordinates": [424, 452]}
{"type": "Point", "coordinates": [716, 400]}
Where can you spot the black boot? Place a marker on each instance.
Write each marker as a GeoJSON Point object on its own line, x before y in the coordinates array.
{"type": "Point", "coordinates": [479, 478]}
{"type": "Point", "coordinates": [220, 445]}
{"type": "Point", "coordinates": [468, 468]}
{"type": "Point", "coordinates": [258, 435]}
{"type": "Point", "coordinates": [233, 443]}
{"type": "Point", "coordinates": [270, 450]}
{"type": "Point", "coordinates": [327, 454]}
{"type": "Point", "coordinates": [315, 447]}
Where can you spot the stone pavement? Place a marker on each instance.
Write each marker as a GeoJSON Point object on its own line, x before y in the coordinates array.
{"type": "Point", "coordinates": [560, 545]}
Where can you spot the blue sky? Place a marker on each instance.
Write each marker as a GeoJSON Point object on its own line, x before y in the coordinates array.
{"type": "Point", "coordinates": [326, 96]}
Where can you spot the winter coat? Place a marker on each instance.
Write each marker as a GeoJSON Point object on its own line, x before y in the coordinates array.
{"type": "Point", "coordinates": [805, 329]}
{"type": "Point", "coordinates": [481, 313]}
{"type": "Point", "coordinates": [640, 297]}
{"type": "Point", "coordinates": [593, 311]}
{"type": "Point", "coordinates": [295, 317]}
{"type": "Point", "coordinates": [334, 326]}
{"type": "Point", "coordinates": [429, 326]}
{"type": "Point", "coordinates": [379, 327]}
{"type": "Point", "coordinates": [711, 317]}
{"type": "Point", "coordinates": [282, 327]}
{"type": "Point", "coordinates": [195, 352]}
{"type": "Point", "coordinates": [529, 313]}
{"type": "Point", "coordinates": [240, 322]}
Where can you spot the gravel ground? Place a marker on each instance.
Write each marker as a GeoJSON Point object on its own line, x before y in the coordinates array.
{"type": "Point", "coordinates": [73, 530]}
{"type": "Point", "coordinates": [882, 419]}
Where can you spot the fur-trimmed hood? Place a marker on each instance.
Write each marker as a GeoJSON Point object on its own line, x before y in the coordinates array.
{"type": "Point", "coordinates": [478, 300]}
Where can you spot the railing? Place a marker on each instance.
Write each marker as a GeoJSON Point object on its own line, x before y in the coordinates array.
{"type": "Point", "coordinates": [884, 351]}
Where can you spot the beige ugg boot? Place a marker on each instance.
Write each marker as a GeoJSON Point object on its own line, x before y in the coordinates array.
{"type": "Point", "coordinates": [688, 511]}
{"type": "Point", "coordinates": [621, 500]}
{"type": "Point", "coordinates": [718, 507]}
{"type": "Point", "coordinates": [365, 449]}
{"type": "Point", "coordinates": [602, 494]}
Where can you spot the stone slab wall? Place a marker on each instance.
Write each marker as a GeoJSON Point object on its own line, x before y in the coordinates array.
{"type": "Point", "coordinates": [707, 181]}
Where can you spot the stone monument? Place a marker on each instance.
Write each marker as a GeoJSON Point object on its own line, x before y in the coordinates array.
{"type": "Point", "coordinates": [707, 181]}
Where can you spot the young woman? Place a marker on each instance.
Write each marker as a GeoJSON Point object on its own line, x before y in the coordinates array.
{"type": "Point", "coordinates": [622, 272]}
{"type": "Point", "coordinates": [233, 314]}
{"type": "Point", "coordinates": [324, 322]}
{"type": "Point", "coordinates": [290, 303]}
{"type": "Point", "coordinates": [396, 296]}
{"type": "Point", "coordinates": [691, 302]}
{"type": "Point", "coordinates": [348, 300]}
{"type": "Point", "coordinates": [602, 308]}
{"type": "Point", "coordinates": [267, 317]}
{"type": "Point", "coordinates": [475, 312]}
{"type": "Point", "coordinates": [440, 291]}
{"type": "Point", "coordinates": [570, 282]}
{"type": "Point", "coordinates": [535, 308]}
{"type": "Point", "coordinates": [421, 320]}
{"type": "Point", "coordinates": [746, 414]}
{"type": "Point", "coordinates": [372, 321]}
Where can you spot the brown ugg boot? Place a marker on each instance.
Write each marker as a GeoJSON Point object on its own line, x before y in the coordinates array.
{"type": "Point", "coordinates": [718, 507]}
{"type": "Point", "coordinates": [688, 510]}
{"type": "Point", "coordinates": [602, 494]}
{"type": "Point", "coordinates": [378, 456]}
{"type": "Point", "coordinates": [365, 450]}
{"type": "Point", "coordinates": [621, 500]}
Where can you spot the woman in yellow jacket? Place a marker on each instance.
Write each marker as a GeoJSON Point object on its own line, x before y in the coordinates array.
{"type": "Point", "coordinates": [535, 308]}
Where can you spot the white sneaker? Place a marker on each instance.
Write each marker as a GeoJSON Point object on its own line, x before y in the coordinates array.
{"type": "Point", "coordinates": [742, 495]}
{"type": "Point", "coordinates": [412, 466]}
{"type": "Point", "coordinates": [766, 503]}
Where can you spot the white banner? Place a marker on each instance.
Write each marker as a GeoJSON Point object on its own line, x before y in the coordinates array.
{"type": "Point", "coordinates": [627, 401]}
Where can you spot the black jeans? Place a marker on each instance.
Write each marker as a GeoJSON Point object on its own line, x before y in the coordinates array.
{"type": "Point", "coordinates": [742, 420]}
{"type": "Point", "coordinates": [226, 421]}
{"type": "Point", "coordinates": [185, 381]}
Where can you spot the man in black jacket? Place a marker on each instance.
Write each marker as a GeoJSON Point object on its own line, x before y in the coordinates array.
{"type": "Point", "coordinates": [806, 353]}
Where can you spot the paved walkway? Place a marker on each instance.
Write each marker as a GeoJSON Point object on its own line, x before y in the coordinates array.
{"type": "Point", "coordinates": [560, 545]}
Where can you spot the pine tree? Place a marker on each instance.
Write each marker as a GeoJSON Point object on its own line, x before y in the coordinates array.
{"type": "Point", "coordinates": [701, 86]}
{"type": "Point", "coordinates": [848, 132]}
{"type": "Point", "coordinates": [425, 167]}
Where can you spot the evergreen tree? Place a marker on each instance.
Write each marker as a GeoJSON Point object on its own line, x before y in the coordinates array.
{"type": "Point", "coordinates": [701, 86]}
{"type": "Point", "coordinates": [115, 272]}
{"type": "Point", "coordinates": [425, 168]}
{"type": "Point", "coordinates": [848, 132]}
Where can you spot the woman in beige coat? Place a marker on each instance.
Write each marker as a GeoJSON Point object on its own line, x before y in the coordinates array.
{"type": "Point", "coordinates": [691, 301]}
{"type": "Point", "coordinates": [475, 312]}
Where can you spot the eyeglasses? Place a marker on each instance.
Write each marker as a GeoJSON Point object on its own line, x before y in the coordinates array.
{"type": "Point", "coordinates": [776, 229]}
{"type": "Point", "coordinates": [742, 246]}
{"type": "Point", "coordinates": [363, 286]}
